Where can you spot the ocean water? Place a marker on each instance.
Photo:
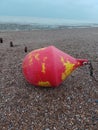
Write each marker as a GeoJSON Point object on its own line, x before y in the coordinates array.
{"type": "Point", "coordinates": [30, 23]}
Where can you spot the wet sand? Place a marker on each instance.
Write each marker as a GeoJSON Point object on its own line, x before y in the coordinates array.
{"type": "Point", "coordinates": [71, 106]}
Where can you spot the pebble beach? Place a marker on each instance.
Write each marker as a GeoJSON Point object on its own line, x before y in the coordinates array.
{"type": "Point", "coordinates": [71, 106]}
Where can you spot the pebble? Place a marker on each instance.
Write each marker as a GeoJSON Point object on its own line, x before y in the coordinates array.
{"type": "Point", "coordinates": [68, 98]}
{"type": "Point", "coordinates": [47, 129]}
{"type": "Point", "coordinates": [70, 106]}
{"type": "Point", "coordinates": [96, 101]}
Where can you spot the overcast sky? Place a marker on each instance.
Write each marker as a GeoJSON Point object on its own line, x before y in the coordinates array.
{"type": "Point", "coordinates": [66, 9]}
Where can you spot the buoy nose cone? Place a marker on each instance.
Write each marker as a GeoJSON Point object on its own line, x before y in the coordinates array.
{"type": "Point", "coordinates": [81, 62]}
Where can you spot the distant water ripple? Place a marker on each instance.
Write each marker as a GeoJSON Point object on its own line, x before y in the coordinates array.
{"type": "Point", "coordinates": [29, 27]}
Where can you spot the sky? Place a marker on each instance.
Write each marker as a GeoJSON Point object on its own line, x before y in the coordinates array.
{"type": "Point", "coordinates": [83, 10]}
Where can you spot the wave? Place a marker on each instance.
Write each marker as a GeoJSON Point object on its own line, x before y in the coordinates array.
{"type": "Point", "coordinates": [29, 27]}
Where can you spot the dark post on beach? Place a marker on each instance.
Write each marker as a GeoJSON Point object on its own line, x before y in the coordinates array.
{"type": "Point", "coordinates": [25, 49]}
{"type": "Point", "coordinates": [11, 44]}
{"type": "Point", "coordinates": [1, 40]}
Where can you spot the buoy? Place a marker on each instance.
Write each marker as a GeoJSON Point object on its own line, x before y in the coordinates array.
{"type": "Point", "coordinates": [49, 66]}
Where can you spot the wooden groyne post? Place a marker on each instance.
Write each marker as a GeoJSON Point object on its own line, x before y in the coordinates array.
{"type": "Point", "coordinates": [1, 40]}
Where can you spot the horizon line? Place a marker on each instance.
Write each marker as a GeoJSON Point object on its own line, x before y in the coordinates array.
{"type": "Point", "coordinates": [41, 20]}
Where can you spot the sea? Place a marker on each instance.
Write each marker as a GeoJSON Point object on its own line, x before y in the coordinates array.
{"type": "Point", "coordinates": [31, 23]}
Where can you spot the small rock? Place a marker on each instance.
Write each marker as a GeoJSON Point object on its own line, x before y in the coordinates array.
{"type": "Point", "coordinates": [47, 129]}
{"type": "Point", "coordinates": [96, 101]}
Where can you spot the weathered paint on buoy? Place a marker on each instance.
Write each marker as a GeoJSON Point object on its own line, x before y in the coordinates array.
{"type": "Point", "coordinates": [49, 66]}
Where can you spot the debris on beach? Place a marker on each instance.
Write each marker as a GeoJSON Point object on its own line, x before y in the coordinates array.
{"type": "Point", "coordinates": [25, 49]}
{"type": "Point", "coordinates": [11, 44]}
{"type": "Point", "coordinates": [49, 66]}
{"type": "Point", "coordinates": [1, 40]}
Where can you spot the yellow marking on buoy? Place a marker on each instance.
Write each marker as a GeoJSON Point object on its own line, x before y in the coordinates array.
{"type": "Point", "coordinates": [68, 68]}
{"type": "Point", "coordinates": [30, 57]}
{"type": "Point", "coordinates": [44, 84]}
{"type": "Point", "coordinates": [43, 68]}
{"type": "Point", "coordinates": [36, 56]}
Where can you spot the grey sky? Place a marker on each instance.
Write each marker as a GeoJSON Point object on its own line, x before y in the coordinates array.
{"type": "Point", "coordinates": [66, 9]}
